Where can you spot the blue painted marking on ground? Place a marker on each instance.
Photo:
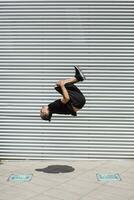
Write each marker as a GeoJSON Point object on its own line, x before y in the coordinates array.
{"type": "Point", "coordinates": [108, 177]}
{"type": "Point", "coordinates": [20, 177]}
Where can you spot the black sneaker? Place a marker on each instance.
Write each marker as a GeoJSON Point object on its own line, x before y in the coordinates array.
{"type": "Point", "coordinates": [78, 74]}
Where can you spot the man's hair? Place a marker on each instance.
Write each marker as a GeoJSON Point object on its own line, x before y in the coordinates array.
{"type": "Point", "coordinates": [44, 117]}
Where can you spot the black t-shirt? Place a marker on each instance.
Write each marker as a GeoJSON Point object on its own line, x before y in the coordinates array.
{"type": "Point", "coordinates": [60, 108]}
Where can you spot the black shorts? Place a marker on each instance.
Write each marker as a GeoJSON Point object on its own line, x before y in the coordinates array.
{"type": "Point", "coordinates": [77, 98]}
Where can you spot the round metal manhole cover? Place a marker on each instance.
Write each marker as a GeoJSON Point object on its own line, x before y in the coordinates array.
{"type": "Point", "coordinates": [56, 169]}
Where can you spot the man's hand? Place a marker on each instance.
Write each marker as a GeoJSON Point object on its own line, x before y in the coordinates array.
{"type": "Point", "coordinates": [60, 83]}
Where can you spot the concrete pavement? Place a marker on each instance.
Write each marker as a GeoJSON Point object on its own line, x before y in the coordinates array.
{"type": "Point", "coordinates": [80, 184]}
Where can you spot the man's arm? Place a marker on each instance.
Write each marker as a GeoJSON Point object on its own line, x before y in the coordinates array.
{"type": "Point", "coordinates": [66, 97]}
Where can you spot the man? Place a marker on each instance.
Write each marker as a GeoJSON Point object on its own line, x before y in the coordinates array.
{"type": "Point", "coordinates": [72, 98]}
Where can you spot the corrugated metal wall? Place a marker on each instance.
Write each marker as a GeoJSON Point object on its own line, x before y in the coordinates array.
{"type": "Point", "coordinates": [40, 42]}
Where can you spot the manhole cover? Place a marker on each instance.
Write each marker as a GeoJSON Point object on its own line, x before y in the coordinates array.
{"type": "Point", "coordinates": [56, 169]}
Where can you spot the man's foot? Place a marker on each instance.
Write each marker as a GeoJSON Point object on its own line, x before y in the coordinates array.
{"type": "Point", "coordinates": [78, 74]}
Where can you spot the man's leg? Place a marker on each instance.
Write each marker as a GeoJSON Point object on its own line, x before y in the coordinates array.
{"type": "Point", "coordinates": [79, 76]}
{"type": "Point", "coordinates": [69, 81]}
{"type": "Point", "coordinates": [69, 84]}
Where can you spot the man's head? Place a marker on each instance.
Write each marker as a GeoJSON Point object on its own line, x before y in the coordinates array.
{"type": "Point", "coordinates": [45, 113]}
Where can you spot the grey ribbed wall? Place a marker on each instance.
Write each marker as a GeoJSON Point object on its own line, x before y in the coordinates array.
{"type": "Point", "coordinates": [40, 42]}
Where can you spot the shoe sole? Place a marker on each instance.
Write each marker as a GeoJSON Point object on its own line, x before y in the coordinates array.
{"type": "Point", "coordinates": [81, 73]}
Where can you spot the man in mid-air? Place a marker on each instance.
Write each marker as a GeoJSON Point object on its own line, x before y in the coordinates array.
{"type": "Point", "coordinates": [72, 98]}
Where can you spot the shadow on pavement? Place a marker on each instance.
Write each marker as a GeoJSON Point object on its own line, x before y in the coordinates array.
{"type": "Point", "coordinates": [56, 169]}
